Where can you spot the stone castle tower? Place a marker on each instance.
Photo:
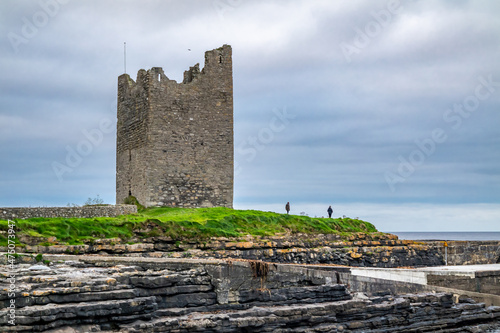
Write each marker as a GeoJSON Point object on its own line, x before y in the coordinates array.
{"type": "Point", "coordinates": [175, 140]}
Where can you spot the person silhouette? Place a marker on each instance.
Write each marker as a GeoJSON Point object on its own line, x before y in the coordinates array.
{"type": "Point", "coordinates": [287, 207]}
{"type": "Point", "coordinates": [330, 211]}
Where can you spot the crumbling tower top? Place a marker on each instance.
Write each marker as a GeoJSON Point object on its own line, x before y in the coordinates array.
{"type": "Point", "coordinates": [175, 140]}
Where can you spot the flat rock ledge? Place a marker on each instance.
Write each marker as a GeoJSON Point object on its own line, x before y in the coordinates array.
{"type": "Point", "coordinates": [151, 295]}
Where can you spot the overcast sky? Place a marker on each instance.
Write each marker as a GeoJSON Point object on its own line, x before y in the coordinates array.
{"type": "Point", "coordinates": [386, 110]}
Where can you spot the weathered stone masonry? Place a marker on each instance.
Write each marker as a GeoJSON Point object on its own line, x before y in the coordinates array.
{"type": "Point", "coordinates": [175, 140]}
{"type": "Point", "coordinates": [80, 212]}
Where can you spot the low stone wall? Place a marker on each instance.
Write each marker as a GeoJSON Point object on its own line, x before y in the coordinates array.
{"type": "Point", "coordinates": [112, 294]}
{"type": "Point", "coordinates": [468, 252]}
{"type": "Point", "coordinates": [80, 212]}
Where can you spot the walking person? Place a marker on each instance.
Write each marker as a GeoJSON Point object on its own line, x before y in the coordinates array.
{"type": "Point", "coordinates": [287, 207]}
{"type": "Point", "coordinates": [330, 211]}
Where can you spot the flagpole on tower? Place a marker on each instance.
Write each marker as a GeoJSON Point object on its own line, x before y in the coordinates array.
{"type": "Point", "coordinates": [125, 57]}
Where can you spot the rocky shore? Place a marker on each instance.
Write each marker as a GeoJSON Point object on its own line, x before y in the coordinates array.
{"type": "Point", "coordinates": [127, 294]}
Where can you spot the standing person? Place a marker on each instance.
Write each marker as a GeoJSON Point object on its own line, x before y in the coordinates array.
{"type": "Point", "coordinates": [287, 207]}
{"type": "Point", "coordinates": [330, 211]}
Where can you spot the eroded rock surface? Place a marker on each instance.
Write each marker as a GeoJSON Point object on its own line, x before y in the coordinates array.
{"type": "Point", "coordinates": [146, 295]}
{"type": "Point", "coordinates": [359, 250]}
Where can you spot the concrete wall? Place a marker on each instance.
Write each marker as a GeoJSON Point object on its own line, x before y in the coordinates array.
{"type": "Point", "coordinates": [488, 293]}
{"type": "Point", "coordinates": [81, 212]}
{"type": "Point", "coordinates": [481, 286]}
{"type": "Point", "coordinates": [175, 140]}
{"type": "Point", "coordinates": [480, 282]}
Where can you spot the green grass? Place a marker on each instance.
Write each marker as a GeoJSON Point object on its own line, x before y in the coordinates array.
{"type": "Point", "coordinates": [181, 224]}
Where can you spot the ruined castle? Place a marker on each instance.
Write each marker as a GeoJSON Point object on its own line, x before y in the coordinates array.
{"type": "Point", "coordinates": [175, 140]}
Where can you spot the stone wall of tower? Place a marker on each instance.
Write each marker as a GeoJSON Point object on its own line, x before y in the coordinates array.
{"type": "Point", "coordinates": [175, 140]}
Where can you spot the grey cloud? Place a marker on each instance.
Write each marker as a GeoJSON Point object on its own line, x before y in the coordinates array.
{"type": "Point", "coordinates": [353, 120]}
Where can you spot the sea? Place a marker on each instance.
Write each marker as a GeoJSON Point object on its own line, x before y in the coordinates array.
{"type": "Point", "coordinates": [449, 236]}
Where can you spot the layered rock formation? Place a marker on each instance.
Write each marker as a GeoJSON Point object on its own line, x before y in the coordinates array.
{"type": "Point", "coordinates": [368, 250]}
{"type": "Point", "coordinates": [111, 294]}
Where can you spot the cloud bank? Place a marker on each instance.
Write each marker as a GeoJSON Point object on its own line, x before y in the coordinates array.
{"type": "Point", "coordinates": [379, 107]}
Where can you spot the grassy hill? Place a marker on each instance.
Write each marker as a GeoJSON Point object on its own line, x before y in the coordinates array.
{"type": "Point", "coordinates": [179, 224]}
